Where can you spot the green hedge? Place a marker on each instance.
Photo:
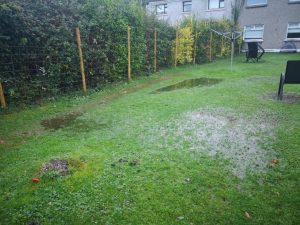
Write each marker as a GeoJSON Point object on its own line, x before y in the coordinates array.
{"type": "Point", "coordinates": [220, 47]}
{"type": "Point", "coordinates": [39, 55]}
{"type": "Point", "coordinates": [38, 52]}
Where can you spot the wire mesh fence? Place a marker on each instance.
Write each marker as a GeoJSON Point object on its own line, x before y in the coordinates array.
{"type": "Point", "coordinates": [30, 73]}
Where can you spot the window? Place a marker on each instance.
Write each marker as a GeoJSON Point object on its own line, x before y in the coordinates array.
{"type": "Point", "coordinates": [161, 9]}
{"type": "Point", "coordinates": [256, 2]}
{"type": "Point", "coordinates": [293, 30]}
{"type": "Point", "coordinates": [187, 6]}
{"type": "Point", "coordinates": [215, 4]}
{"type": "Point", "coordinates": [254, 31]}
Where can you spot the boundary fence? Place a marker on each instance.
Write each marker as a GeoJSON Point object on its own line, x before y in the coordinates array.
{"type": "Point", "coordinates": [30, 63]}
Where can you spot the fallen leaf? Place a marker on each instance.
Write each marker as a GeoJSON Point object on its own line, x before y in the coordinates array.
{"type": "Point", "coordinates": [274, 161]}
{"type": "Point", "coordinates": [247, 215]}
{"type": "Point", "coordinates": [35, 180]}
{"type": "Point", "coordinates": [2, 142]}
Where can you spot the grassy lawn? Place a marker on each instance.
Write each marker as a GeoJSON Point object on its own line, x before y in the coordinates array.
{"type": "Point", "coordinates": [225, 153]}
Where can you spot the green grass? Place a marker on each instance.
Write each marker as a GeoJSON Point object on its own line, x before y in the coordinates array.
{"type": "Point", "coordinates": [168, 185]}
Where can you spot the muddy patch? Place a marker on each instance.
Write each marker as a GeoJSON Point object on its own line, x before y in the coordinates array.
{"type": "Point", "coordinates": [190, 84]}
{"type": "Point", "coordinates": [60, 121]}
{"type": "Point", "coordinates": [59, 166]}
{"type": "Point", "coordinates": [289, 97]}
{"type": "Point", "coordinates": [246, 142]}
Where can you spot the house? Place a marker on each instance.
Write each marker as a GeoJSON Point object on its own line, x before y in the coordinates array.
{"type": "Point", "coordinates": [173, 11]}
{"type": "Point", "coordinates": [273, 23]}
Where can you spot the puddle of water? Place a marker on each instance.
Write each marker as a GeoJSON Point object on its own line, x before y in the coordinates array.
{"type": "Point", "coordinates": [60, 121]}
{"type": "Point", "coordinates": [88, 126]}
{"type": "Point", "coordinates": [190, 84]}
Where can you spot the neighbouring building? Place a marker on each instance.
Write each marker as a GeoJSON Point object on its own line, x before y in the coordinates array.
{"type": "Point", "coordinates": [173, 11]}
{"type": "Point", "coordinates": [273, 23]}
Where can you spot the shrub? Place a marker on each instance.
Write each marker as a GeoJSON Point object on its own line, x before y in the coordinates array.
{"type": "Point", "coordinates": [194, 40]}
{"type": "Point", "coordinates": [40, 57]}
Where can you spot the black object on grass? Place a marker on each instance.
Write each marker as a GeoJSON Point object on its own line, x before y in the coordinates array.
{"type": "Point", "coordinates": [291, 76]}
{"type": "Point", "coordinates": [255, 51]}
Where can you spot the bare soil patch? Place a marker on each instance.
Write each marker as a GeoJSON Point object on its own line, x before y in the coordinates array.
{"type": "Point", "coordinates": [59, 166]}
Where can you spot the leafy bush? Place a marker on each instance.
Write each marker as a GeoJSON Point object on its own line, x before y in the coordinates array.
{"type": "Point", "coordinates": [165, 37]}
{"type": "Point", "coordinates": [184, 45]}
{"type": "Point", "coordinates": [39, 55]}
{"type": "Point", "coordinates": [200, 33]}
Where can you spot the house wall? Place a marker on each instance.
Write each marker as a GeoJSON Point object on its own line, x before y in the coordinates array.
{"type": "Point", "coordinates": [275, 16]}
{"type": "Point", "coordinates": [199, 10]}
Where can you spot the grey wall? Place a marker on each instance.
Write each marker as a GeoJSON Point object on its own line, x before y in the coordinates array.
{"type": "Point", "coordinates": [275, 16]}
{"type": "Point", "coordinates": [199, 9]}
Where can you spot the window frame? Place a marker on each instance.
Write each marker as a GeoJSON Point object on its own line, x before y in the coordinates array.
{"type": "Point", "coordinates": [257, 5]}
{"type": "Point", "coordinates": [165, 5]}
{"type": "Point", "coordinates": [219, 7]}
{"type": "Point", "coordinates": [184, 4]}
{"type": "Point", "coordinates": [287, 31]}
{"type": "Point", "coordinates": [258, 38]}
{"type": "Point", "coordinates": [294, 1]}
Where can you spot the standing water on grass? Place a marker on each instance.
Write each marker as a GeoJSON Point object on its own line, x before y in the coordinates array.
{"type": "Point", "coordinates": [245, 141]}
{"type": "Point", "coordinates": [190, 84]}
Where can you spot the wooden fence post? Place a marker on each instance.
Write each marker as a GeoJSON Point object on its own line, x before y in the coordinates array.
{"type": "Point", "coordinates": [2, 98]}
{"type": "Point", "coordinates": [81, 61]}
{"type": "Point", "coordinates": [195, 42]}
{"type": "Point", "coordinates": [129, 60]}
{"type": "Point", "coordinates": [195, 47]}
{"type": "Point", "coordinates": [155, 50]}
{"type": "Point", "coordinates": [210, 47]}
{"type": "Point", "coordinates": [222, 46]}
{"type": "Point", "coordinates": [176, 48]}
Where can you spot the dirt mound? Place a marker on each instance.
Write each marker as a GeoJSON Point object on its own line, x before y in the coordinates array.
{"type": "Point", "coordinates": [59, 166]}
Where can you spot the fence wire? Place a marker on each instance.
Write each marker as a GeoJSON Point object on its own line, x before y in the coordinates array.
{"type": "Point", "coordinates": [30, 73]}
